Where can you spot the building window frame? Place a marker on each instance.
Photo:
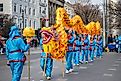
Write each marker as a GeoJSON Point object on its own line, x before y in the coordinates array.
{"type": "Point", "coordinates": [15, 7]}
{"type": "Point", "coordinates": [34, 12]}
{"type": "Point", "coordinates": [20, 7]}
{"type": "Point", "coordinates": [29, 11]}
{"type": "Point", "coordinates": [1, 7]}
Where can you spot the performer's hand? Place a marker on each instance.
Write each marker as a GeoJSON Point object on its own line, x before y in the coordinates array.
{"type": "Point", "coordinates": [29, 40]}
{"type": "Point", "coordinates": [8, 63]}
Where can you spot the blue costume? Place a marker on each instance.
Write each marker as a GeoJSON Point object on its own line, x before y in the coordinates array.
{"type": "Point", "coordinates": [85, 47]}
{"type": "Point", "coordinates": [95, 46]}
{"type": "Point", "coordinates": [49, 61]}
{"type": "Point", "coordinates": [119, 38]}
{"type": "Point", "coordinates": [99, 46]}
{"type": "Point", "coordinates": [92, 49]}
{"type": "Point", "coordinates": [76, 55]}
{"type": "Point", "coordinates": [69, 53]}
{"type": "Point", "coordinates": [15, 48]}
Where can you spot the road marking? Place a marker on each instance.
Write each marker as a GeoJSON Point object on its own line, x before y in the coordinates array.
{"type": "Point", "coordinates": [41, 80]}
{"type": "Point", "coordinates": [82, 67]}
{"type": "Point", "coordinates": [55, 67]}
{"type": "Point", "coordinates": [25, 78]}
{"type": "Point", "coordinates": [117, 61]}
{"type": "Point", "coordinates": [112, 69]}
{"type": "Point", "coordinates": [115, 65]}
{"type": "Point", "coordinates": [75, 73]}
{"type": "Point", "coordinates": [91, 64]}
{"type": "Point", "coordinates": [40, 72]}
{"type": "Point", "coordinates": [60, 79]}
{"type": "Point", "coordinates": [109, 75]}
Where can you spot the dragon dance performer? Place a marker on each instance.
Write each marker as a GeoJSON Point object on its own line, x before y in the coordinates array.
{"type": "Point", "coordinates": [95, 46]}
{"type": "Point", "coordinates": [77, 46]}
{"type": "Point", "coordinates": [85, 48]}
{"type": "Point", "coordinates": [46, 62]}
{"type": "Point", "coordinates": [119, 49]}
{"type": "Point", "coordinates": [15, 48]}
{"type": "Point", "coordinates": [92, 48]}
{"type": "Point", "coordinates": [99, 46]}
{"type": "Point", "coordinates": [69, 54]}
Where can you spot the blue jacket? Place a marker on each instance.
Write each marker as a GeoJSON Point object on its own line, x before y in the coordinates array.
{"type": "Point", "coordinates": [70, 43]}
{"type": "Point", "coordinates": [77, 44]}
{"type": "Point", "coordinates": [119, 38]}
{"type": "Point", "coordinates": [100, 43]}
{"type": "Point", "coordinates": [15, 47]}
{"type": "Point", "coordinates": [85, 43]}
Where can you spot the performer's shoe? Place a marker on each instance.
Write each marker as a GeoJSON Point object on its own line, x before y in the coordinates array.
{"type": "Point", "coordinates": [86, 62]}
{"type": "Point", "coordinates": [77, 64]}
{"type": "Point", "coordinates": [48, 78]}
{"type": "Point", "coordinates": [71, 70]}
{"type": "Point", "coordinates": [67, 72]}
{"type": "Point", "coordinates": [91, 61]}
{"type": "Point", "coordinates": [81, 62]}
{"type": "Point", "coordinates": [74, 64]}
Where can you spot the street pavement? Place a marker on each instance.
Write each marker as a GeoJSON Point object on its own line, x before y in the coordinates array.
{"type": "Point", "coordinates": [106, 69]}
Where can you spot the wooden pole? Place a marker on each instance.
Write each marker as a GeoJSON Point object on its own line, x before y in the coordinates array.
{"type": "Point", "coordinates": [29, 65]}
{"type": "Point", "coordinates": [63, 68]}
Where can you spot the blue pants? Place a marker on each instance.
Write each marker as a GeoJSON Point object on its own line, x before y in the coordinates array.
{"type": "Point", "coordinates": [99, 51]}
{"type": "Point", "coordinates": [91, 53]}
{"type": "Point", "coordinates": [69, 56]}
{"type": "Point", "coordinates": [76, 57]}
{"type": "Point", "coordinates": [49, 66]}
{"type": "Point", "coordinates": [16, 68]}
{"type": "Point", "coordinates": [84, 54]}
{"type": "Point", "coordinates": [119, 48]}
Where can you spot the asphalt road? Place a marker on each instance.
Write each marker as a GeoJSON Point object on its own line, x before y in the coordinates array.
{"type": "Point", "coordinates": [106, 69]}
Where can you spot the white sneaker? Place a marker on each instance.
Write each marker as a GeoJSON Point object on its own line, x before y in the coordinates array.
{"type": "Point", "coordinates": [77, 64]}
{"type": "Point", "coordinates": [91, 60]}
{"type": "Point", "coordinates": [48, 78]}
{"type": "Point", "coordinates": [67, 72]}
{"type": "Point", "coordinates": [74, 64]}
{"type": "Point", "coordinates": [71, 70]}
{"type": "Point", "coordinates": [81, 62]}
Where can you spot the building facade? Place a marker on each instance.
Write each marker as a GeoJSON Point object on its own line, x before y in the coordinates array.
{"type": "Point", "coordinates": [53, 5]}
{"type": "Point", "coordinates": [31, 13]}
{"type": "Point", "coordinates": [25, 13]}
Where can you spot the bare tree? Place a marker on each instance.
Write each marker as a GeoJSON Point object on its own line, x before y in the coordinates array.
{"type": "Point", "coordinates": [88, 12]}
{"type": "Point", "coordinates": [7, 22]}
{"type": "Point", "coordinates": [115, 14]}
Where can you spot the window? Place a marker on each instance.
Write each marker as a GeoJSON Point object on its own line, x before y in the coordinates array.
{"type": "Point", "coordinates": [29, 0]}
{"type": "Point", "coordinates": [25, 9]}
{"type": "Point", "coordinates": [45, 1]}
{"type": "Point", "coordinates": [20, 8]}
{"type": "Point", "coordinates": [30, 23]}
{"type": "Point", "coordinates": [29, 11]}
{"type": "Point", "coordinates": [33, 11]}
{"type": "Point", "coordinates": [1, 7]}
{"type": "Point", "coordinates": [33, 1]}
{"type": "Point", "coordinates": [25, 22]}
{"type": "Point", "coordinates": [39, 9]}
{"type": "Point", "coordinates": [34, 23]}
{"type": "Point", "coordinates": [14, 7]}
